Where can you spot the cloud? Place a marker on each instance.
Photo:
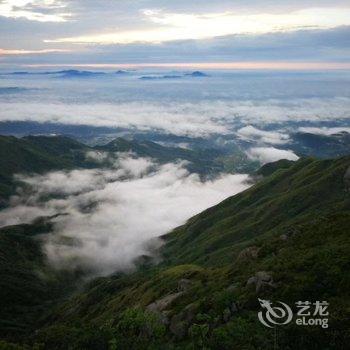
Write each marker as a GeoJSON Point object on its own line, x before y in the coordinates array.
{"type": "Point", "coordinates": [179, 119]}
{"type": "Point", "coordinates": [125, 21]}
{"type": "Point", "coordinates": [233, 65]}
{"type": "Point", "coordinates": [136, 167]}
{"type": "Point", "coordinates": [34, 10]}
{"type": "Point", "coordinates": [270, 154]}
{"type": "Point", "coordinates": [192, 118]}
{"type": "Point", "coordinates": [251, 133]}
{"type": "Point", "coordinates": [9, 52]}
{"type": "Point", "coordinates": [111, 220]}
{"type": "Point", "coordinates": [73, 182]}
{"type": "Point", "coordinates": [324, 130]}
{"type": "Point", "coordinates": [184, 26]}
{"type": "Point", "coordinates": [97, 156]}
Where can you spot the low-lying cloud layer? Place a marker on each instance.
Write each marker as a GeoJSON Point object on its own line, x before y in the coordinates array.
{"type": "Point", "coordinates": [270, 154]}
{"type": "Point", "coordinates": [324, 130]}
{"type": "Point", "coordinates": [115, 216]}
{"type": "Point", "coordinates": [251, 133]}
{"type": "Point", "coordinates": [200, 118]}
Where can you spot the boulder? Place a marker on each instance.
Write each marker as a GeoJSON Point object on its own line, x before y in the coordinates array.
{"type": "Point", "coordinates": [289, 233]}
{"type": "Point", "coordinates": [162, 317]}
{"type": "Point", "coordinates": [180, 322]}
{"type": "Point", "coordinates": [252, 281]}
{"type": "Point", "coordinates": [249, 253]}
{"type": "Point", "coordinates": [262, 281]}
{"type": "Point", "coordinates": [283, 237]}
{"type": "Point", "coordinates": [178, 326]}
{"type": "Point", "coordinates": [347, 178]}
{"type": "Point", "coordinates": [233, 307]}
{"type": "Point", "coordinates": [184, 284]}
{"type": "Point", "coordinates": [163, 303]}
{"type": "Point", "coordinates": [226, 315]}
{"type": "Point", "coordinates": [232, 287]}
{"type": "Point", "coordinates": [189, 312]}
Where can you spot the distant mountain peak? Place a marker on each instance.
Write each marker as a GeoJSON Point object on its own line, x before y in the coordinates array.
{"type": "Point", "coordinates": [197, 73]}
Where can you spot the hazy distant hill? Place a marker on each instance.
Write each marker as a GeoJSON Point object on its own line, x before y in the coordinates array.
{"type": "Point", "coordinates": [322, 146]}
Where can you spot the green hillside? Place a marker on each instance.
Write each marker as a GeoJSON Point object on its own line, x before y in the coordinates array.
{"type": "Point", "coordinates": [18, 156]}
{"type": "Point", "coordinates": [39, 154]}
{"type": "Point", "coordinates": [301, 192]}
{"type": "Point", "coordinates": [56, 145]}
{"type": "Point", "coordinates": [202, 162]}
{"type": "Point", "coordinates": [286, 238]}
{"type": "Point", "coordinates": [269, 168]}
{"type": "Point", "coordinates": [28, 285]}
{"type": "Point", "coordinates": [321, 146]}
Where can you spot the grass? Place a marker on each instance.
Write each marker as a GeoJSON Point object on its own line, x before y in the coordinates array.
{"type": "Point", "coordinates": [297, 219]}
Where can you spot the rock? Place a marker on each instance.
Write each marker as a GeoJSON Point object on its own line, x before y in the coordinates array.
{"type": "Point", "coordinates": [263, 276]}
{"type": "Point", "coordinates": [249, 253]}
{"type": "Point", "coordinates": [262, 280]}
{"type": "Point", "coordinates": [178, 326]}
{"type": "Point", "coordinates": [289, 233]}
{"type": "Point", "coordinates": [347, 178]}
{"type": "Point", "coordinates": [163, 303]}
{"type": "Point", "coordinates": [252, 280]}
{"type": "Point", "coordinates": [232, 287]}
{"type": "Point", "coordinates": [184, 284]}
{"type": "Point", "coordinates": [190, 312]}
{"type": "Point", "coordinates": [226, 315]}
{"type": "Point", "coordinates": [180, 322]}
{"type": "Point", "coordinates": [233, 307]}
{"type": "Point", "coordinates": [163, 317]}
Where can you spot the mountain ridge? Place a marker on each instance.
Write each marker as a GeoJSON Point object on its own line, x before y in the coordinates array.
{"type": "Point", "coordinates": [204, 292]}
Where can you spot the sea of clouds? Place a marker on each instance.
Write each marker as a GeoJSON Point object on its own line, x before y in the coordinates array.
{"type": "Point", "coordinates": [112, 217]}
{"type": "Point", "coordinates": [219, 104]}
{"type": "Point", "coordinates": [194, 119]}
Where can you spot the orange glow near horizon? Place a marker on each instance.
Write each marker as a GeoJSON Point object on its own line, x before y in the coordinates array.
{"type": "Point", "coordinates": [272, 65]}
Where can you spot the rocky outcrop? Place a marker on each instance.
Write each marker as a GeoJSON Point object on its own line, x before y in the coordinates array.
{"type": "Point", "coordinates": [346, 178]}
{"type": "Point", "coordinates": [178, 327]}
{"type": "Point", "coordinates": [184, 284]}
{"type": "Point", "coordinates": [232, 287]}
{"type": "Point", "coordinates": [234, 307]}
{"type": "Point", "coordinates": [261, 281]}
{"type": "Point", "coordinates": [163, 303]}
{"type": "Point", "coordinates": [289, 232]}
{"type": "Point", "coordinates": [160, 306]}
{"type": "Point", "coordinates": [248, 254]}
{"type": "Point", "coordinates": [180, 322]}
{"type": "Point", "coordinates": [226, 315]}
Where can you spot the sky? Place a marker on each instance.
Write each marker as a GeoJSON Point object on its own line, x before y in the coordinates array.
{"type": "Point", "coordinates": [256, 105]}
{"type": "Point", "coordinates": [216, 34]}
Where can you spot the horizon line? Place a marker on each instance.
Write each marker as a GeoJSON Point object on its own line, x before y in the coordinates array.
{"type": "Point", "coordinates": [253, 65]}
